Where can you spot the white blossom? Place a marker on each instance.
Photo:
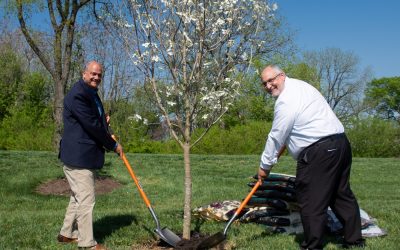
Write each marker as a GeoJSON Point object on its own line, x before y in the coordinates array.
{"type": "Point", "coordinates": [225, 31]}
{"type": "Point", "coordinates": [170, 52]}
{"type": "Point", "coordinates": [207, 64]}
{"type": "Point", "coordinates": [155, 58]}
{"type": "Point", "coordinates": [220, 21]}
{"type": "Point", "coordinates": [171, 103]}
{"type": "Point", "coordinates": [135, 118]}
{"type": "Point", "coordinates": [244, 56]}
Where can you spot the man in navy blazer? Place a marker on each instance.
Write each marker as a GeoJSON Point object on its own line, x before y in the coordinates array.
{"type": "Point", "coordinates": [82, 149]}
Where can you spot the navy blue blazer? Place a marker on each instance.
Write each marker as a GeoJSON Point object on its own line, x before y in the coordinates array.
{"type": "Point", "coordinates": [85, 137]}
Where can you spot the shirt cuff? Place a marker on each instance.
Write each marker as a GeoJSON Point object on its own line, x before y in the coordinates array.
{"type": "Point", "coordinates": [265, 166]}
{"type": "Point", "coordinates": [116, 145]}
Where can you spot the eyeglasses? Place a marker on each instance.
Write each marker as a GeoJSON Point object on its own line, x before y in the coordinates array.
{"type": "Point", "coordinates": [270, 80]}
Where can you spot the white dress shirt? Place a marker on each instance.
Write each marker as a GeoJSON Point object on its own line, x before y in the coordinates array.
{"type": "Point", "coordinates": [301, 117]}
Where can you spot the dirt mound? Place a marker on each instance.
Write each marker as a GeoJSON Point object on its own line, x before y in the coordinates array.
{"type": "Point", "coordinates": [60, 186]}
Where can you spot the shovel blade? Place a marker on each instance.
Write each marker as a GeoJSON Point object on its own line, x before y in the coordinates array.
{"type": "Point", "coordinates": [168, 236]}
{"type": "Point", "coordinates": [211, 241]}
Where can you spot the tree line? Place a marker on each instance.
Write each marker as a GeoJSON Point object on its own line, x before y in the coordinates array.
{"type": "Point", "coordinates": [26, 121]}
{"type": "Point", "coordinates": [30, 97]}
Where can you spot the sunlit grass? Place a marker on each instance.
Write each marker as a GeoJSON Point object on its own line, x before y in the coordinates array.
{"type": "Point", "coordinates": [122, 221]}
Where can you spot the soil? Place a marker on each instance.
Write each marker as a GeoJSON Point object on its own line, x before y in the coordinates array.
{"type": "Point", "coordinates": [195, 239]}
{"type": "Point", "coordinates": [60, 186]}
{"type": "Point", "coordinates": [105, 185]}
{"type": "Point", "coordinates": [191, 244]}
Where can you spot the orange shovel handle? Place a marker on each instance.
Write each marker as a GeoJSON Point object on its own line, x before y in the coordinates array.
{"type": "Point", "coordinates": [129, 168]}
{"type": "Point", "coordinates": [248, 197]}
{"type": "Point", "coordinates": [142, 193]}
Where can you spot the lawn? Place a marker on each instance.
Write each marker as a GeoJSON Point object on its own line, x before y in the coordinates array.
{"type": "Point", "coordinates": [29, 220]}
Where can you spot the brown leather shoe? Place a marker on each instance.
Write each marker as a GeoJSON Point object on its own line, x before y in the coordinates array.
{"type": "Point", "coordinates": [63, 239]}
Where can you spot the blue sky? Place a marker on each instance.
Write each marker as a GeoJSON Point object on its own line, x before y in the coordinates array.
{"type": "Point", "coordinates": [370, 29]}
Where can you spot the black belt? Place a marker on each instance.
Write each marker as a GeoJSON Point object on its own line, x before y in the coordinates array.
{"type": "Point", "coordinates": [324, 139]}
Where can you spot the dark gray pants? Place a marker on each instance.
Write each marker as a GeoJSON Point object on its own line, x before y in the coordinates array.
{"type": "Point", "coordinates": [322, 180]}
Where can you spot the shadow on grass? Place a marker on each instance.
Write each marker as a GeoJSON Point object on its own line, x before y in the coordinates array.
{"type": "Point", "coordinates": [108, 224]}
{"type": "Point", "coordinates": [198, 223]}
{"type": "Point", "coordinates": [328, 238]}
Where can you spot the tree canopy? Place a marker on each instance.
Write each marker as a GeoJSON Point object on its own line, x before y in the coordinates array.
{"type": "Point", "coordinates": [383, 95]}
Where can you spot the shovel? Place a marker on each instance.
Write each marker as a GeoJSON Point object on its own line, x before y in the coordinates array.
{"type": "Point", "coordinates": [221, 236]}
{"type": "Point", "coordinates": [165, 234]}
{"type": "Point", "coordinates": [217, 238]}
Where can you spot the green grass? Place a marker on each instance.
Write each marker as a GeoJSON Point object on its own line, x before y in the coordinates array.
{"type": "Point", "coordinates": [121, 220]}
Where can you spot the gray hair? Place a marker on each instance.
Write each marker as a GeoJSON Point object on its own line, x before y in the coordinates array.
{"type": "Point", "coordinates": [275, 68]}
{"type": "Point", "coordinates": [91, 62]}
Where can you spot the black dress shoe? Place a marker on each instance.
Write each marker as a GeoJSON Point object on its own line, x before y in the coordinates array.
{"type": "Point", "coordinates": [358, 243]}
{"type": "Point", "coordinates": [63, 239]}
{"type": "Point", "coordinates": [95, 247]}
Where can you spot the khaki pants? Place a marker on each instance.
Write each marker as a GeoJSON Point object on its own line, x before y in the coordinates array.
{"type": "Point", "coordinates": [78, 221]}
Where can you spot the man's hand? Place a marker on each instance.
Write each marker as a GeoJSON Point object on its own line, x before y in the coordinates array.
{"type": "Point", "coordinates": [119, 150]}
{"type": "Point", "coordinates": [108, 118]}
{"type": "Point", "coordinates": [262, 173]}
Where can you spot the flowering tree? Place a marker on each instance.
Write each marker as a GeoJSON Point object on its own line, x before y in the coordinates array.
{"type": "Point", "coordinates": [192, 55]}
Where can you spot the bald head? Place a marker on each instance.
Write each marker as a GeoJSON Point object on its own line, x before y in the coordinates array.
{"type": "Point", "coordinates": [93, 74]}
{"type": "Point", "coordinates": [273, 80]}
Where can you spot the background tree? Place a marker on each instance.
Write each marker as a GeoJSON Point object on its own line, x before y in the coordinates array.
{"type": "Point", "coordinates": [15, 40]}
{"type": "Point", "coordinates": [191, 56]}
{"type": "Point", "coordinates": [253, 103]}
{"type": "Point", "coordinates": [342, 84]}
{"type": "Point", "coordinates": [10, 78]}
{"type": "Point", "coordinates": [25, 107]}
{"type": "Point", "coordinates": [304, 72]}
{"type": "Point", "coordinates": [62, 16]}
{"type": "Point", "coordinates": [383, 96]}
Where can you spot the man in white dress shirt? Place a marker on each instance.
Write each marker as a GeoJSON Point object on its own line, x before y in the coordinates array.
{"type": "Point", "coordinates": [305, 124]}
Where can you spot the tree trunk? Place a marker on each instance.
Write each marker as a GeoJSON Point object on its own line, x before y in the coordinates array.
{"type": "Point", "coordinates": [188, 192]}
{"type": "Point", "coordinates": [57, 112]}
{"type": "Point", "coordinates": [60, 65]}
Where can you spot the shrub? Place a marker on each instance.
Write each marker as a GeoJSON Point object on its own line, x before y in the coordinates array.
{"type": "Point", "coordinates": [373, 137]}
{"type": "Point", "coordinates": [22, 131]}
{"type": "Point", "coordinates": [240, 139]}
